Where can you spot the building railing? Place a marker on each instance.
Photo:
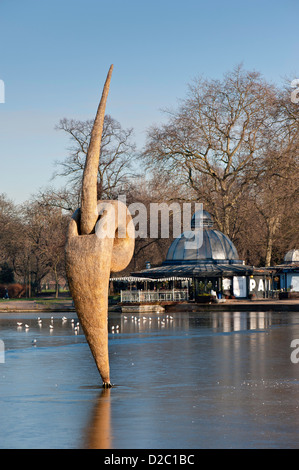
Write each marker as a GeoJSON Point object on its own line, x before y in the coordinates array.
{"type": "Point", "coordinates": [173, 295]}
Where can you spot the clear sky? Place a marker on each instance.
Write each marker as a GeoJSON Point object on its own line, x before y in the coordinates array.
{"type": "Point", "coordinates": [55, 54]}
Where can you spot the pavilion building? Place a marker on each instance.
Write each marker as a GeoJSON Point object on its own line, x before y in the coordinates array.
{"type": "Point", "coordinates": [210, 261]}
{"type": "Point", "coordinates": [287, 274]}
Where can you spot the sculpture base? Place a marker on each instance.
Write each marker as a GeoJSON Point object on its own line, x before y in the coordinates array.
{"type": "Point", "coordinates": [107, 385]}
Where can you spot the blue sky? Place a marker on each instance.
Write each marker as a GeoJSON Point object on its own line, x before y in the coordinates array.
{"type": "Point", "coordinates": [54, 57]}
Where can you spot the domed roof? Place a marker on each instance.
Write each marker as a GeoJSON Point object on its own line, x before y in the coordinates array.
{"type": "Point", "coordinates": [292, 256]}
{"type": "Point", "coordinates": [201, 219]}
{"type": "Point", "coordinates": [206, 245]}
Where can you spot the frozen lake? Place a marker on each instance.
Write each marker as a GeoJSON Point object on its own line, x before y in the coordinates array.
{"type": "Point", "coordinates": [194, 381]}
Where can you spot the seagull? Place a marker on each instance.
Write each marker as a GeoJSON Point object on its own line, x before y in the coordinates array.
{"type": "Point", "coordinates": [26, 326]}
{"type": "Point", "coordinates": [34, 342]}
{"type": "Point", "coordinates": [64, 319]}
{"type": "Point", "coordinates": [51, 327]}
{"type": "Point", "coordinates": [19, 323]}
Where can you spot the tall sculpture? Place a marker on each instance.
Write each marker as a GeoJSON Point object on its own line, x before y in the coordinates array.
{"type": "Point", "coordinates": [100, 239]}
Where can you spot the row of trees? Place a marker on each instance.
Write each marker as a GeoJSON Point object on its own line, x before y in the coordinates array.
{"type": "Point", "coordinates": [32, 240]}
{"type": "Point", "coordinates": [234, 144]}
{"type": "Point", "coordinates": [231, 144]}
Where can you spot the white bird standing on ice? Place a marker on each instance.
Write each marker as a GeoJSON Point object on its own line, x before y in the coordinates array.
{"type": "Point", "coordinates": [51, 327]}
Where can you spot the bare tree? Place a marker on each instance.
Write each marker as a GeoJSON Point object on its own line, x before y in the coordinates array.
{"type": "Point", "coordinates": [155, 191]}
{"type": "Point", "coordinates": [44, 229]}
{"type": "Point", "coordinates": [213, 140]}
{"type": "Point", "coordinates": [277, 189]}
{"type": "Point", "coordinates": [66, 199]}
{"type": "Point", "coordinates": [8, 222]}
{"type": "Point", "coordinates": [117, 152]}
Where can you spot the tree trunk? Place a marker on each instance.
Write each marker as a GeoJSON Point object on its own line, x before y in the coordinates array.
{"type": "Point", "coordinates": [269, 250]}
{"type": "Point", "coordinates": [272, 227]}
{"type": "Point", "coordinates": [56, 284]}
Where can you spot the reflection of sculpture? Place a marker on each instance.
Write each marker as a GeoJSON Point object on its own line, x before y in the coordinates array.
{"type": "Point", "coordinates": [98, 432]}
{"type": "Point", "coordinates": [90, 255]}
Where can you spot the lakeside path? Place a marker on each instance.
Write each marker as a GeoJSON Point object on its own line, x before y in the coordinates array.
{"type": "Point", "coordinates": [43, 305]}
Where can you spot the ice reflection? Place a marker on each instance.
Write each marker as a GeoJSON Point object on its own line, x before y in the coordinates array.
{"type": "Point", "coordinates": [98, 433]}
{"type": "Point", "coordinates": [237, 321]}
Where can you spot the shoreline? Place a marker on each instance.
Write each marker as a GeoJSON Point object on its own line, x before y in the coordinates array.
{"type": "Point", "coordinates": [19, 306]}
{"type": "Point", "coordinates": [239, 305]}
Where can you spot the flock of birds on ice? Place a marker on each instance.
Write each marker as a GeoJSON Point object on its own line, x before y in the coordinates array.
{"type": "Point", "coordinates": [161, 320]}
{"type": "Point", "coordinates": [113, 329]}
{"type": "Point", "coordinates": [76, 327]}
{"type": "Point", "coordinates": [51, 326]}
